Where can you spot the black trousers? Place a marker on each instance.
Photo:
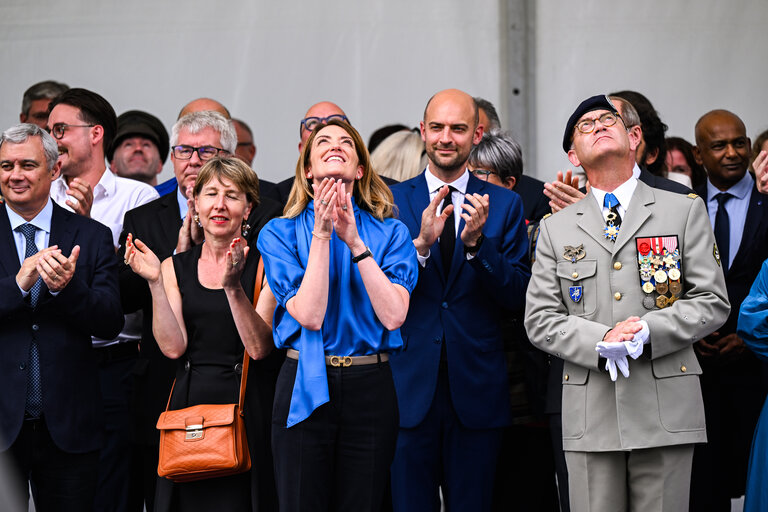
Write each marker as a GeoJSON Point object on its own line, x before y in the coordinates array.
{"type": "Point", "coordinates": [60, 481]}
{"type": "Point", "coordinates": [339, 457]}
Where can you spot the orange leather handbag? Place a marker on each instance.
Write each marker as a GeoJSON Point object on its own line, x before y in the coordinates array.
{"type": "Point", "coordinates": [207, 440]}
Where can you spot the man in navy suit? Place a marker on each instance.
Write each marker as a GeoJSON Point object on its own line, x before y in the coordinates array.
{"type": "Point", "coordinates": [731, 384]}
{"type": "Point", "coordinates": [58, 287]}
{"type": "Point", "coordinates": [451, 377]}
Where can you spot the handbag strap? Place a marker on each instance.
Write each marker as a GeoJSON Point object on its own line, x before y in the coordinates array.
{"type": "Point", "coordinates": [246, 358]}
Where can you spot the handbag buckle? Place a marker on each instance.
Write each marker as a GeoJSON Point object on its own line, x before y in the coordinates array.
{"type": "Point", "coordinates": [194, 432]}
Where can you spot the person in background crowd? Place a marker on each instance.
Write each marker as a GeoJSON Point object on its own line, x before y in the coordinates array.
{"type": "Point", "coordinates": [401, 156]}
{"type": "Point", "coordinates": [651, 154]}
{"type": "Point", "coordinates": [342, 270]}
{"type": "Point", "coordinates": [680, 160]}
{"type": "Point", "coordinates": [34, 104]}
{"type": "Point", "coordinates": [140, 147]}
{"type": "Point", "coordinates": [382, 133]}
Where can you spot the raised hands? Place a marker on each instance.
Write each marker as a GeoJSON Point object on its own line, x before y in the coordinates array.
{"type": "Point", "coordinates": [56, 269]}
{"type": "Point", "coordinates": [191, 233]}
{"type": "Point", "coordinates": [431, 223]}
{"type": "Point", "coordinates": [141, 259]}
{"type": "Point", "coordinates": [475, 214]}
{"type": "Point", "coordinates": [760, 165]}
{"type": "Point", "coordinates": [238, 252]}
{"type": "Point", "coordinates": [325, 205]}
{"type": "Point", "coordinates": [28, 273]}
{"type": "Point", "coordinates": [81, 197]}
{"type": "Point", "coordinates": [564, 191]}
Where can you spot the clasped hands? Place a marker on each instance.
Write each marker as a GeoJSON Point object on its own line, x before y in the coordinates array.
{"type": "Point", "coordinates": [475, 215]}
{"type": "Point", "coordinates": [51, 265]}
{"type": "Point", "coordinates": [625, 339]}
{"type": "Point", "coordinates": [334, 212]}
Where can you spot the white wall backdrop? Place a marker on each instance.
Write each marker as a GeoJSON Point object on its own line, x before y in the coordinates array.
{"type": "Point", "coordinates": [266, 61]}
{"type": "Point", "coordinates": [687, 57]}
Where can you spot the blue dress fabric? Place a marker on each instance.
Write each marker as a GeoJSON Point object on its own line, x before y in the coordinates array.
{"type": "Point", "coordinates": [753, 329]}
{"type": "Point", "coordinates": [351, 327]}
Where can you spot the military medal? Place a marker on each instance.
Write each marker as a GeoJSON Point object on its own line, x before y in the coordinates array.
{"type": "Point", "coordinates": [660, 276]}
{"type": "Point", "coordinates": [662, 301]}
{"type": "Point", "coordinates": [661, 288]}
{"type": "Point", "coordinates": [648, 302]}
{"type": "Point", "coordinates": [659, 267]}
{"type": "Point", "coordinates": [573, 253]}
{"type": "Point", "coordinates": [648, 288]}
{"type": "Point", "coordinates": [575, 293]}
{"type": "Point", "coordinates": [674, 274]}
{"type": "Point", "coordinates": [676, 288]}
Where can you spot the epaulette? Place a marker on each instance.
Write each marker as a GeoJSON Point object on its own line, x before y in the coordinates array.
{"type": "Point", "coordinates": [692, 195]}
{"type": "Point", "coordinates": [547, 215]}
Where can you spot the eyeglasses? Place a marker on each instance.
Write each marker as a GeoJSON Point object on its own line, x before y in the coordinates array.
{"type": "Point", "coordinates": [58, 129]}
{"type": "Point", "coordinates": [310, 123]}
{"type": "Point", "coordinates": [184, 152]}
{"type": "Point", "coordinates": [483, 174]}
{"type": "Point", "coordinates": [588, 125]}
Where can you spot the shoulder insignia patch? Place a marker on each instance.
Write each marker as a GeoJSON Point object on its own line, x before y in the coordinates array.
{"type": "Point", "coordinates": [692, 195]}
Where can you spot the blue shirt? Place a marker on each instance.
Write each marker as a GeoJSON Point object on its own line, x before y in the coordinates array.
{"type": "Point", "coordinates": [350, 327]}
{"type": "Point", "coordinates": [736, 207]}
{"type": "Point", "coordinates": [166, 187]}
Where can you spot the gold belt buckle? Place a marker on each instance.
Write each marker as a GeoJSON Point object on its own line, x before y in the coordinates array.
{"type": "Point", "coordinates": [341, 361]}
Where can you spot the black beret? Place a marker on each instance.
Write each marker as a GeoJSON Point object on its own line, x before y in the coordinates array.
{"type": "Point", "coordinates": [136, 122]}
{"type": "Point", "coordinates": [599, 102]}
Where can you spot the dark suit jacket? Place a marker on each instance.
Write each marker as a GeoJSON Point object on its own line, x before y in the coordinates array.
{"type": "Point", "coordinates": [157, 224]}
{"type": "Point", "coordinates": [62, 325]}
{"type": "Point", "coordinates": [535, 203]}
{"type": "Point", "coordinates": [465, 312]}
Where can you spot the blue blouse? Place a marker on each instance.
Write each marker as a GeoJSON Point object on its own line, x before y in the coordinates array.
{"type": "Point", "coordinates": [351, 327]}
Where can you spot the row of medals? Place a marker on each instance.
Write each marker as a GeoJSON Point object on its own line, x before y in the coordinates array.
{"type": "Point", "coordinates": [666, 280]}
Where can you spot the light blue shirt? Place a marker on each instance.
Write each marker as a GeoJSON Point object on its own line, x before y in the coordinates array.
{"type": "Point", "coordinates": [350, 326]}
{"type": "Point", "coordinates": [183, 207]}
{"type": "Point", "coordinates": [623, 193]}
{"type": "Point", "coordinates": [736, 207]}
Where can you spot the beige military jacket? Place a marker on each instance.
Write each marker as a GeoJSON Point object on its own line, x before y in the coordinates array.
{"type": "Point", "coordinates": [582, 284]}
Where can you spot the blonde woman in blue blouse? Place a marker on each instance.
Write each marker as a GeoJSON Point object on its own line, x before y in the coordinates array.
{"type": "Point", "coordinates": [342, 269]}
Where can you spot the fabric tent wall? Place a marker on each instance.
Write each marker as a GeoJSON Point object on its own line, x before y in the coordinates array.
{"type": "Point", "coordinates": [687, 57]}
{"type": "Point", "coordinates": [266, 61]}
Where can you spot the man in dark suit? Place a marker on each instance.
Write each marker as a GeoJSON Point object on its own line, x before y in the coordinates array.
{"type": "Point", "coordinates": [58, 287]}
{"type": "Point", "coordinates": [731, 384]}
{"type": "Point", "coordinates": [451, 377]}
{"type": "Point", "coordinates": [167, 225]}
{"type": "Point", "coordinates": [561, 194]}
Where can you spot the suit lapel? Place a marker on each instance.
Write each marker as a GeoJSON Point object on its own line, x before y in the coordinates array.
{"type": "Point", "coordinates": [418, 200]}
{"type": "Point", "coordinates": [9, 257]}
{"type": "Point", "coordinates": [474, 186]}
{"type": "Point", "coordinates": [62, 233]}
{"type": "Point", "coordinates": [170, 216]}
{"type": "Point", "coordinates": [755, 220]}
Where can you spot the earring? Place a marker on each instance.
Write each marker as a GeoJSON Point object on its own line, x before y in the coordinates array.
{"type": "Point", "coordinates": [196, 218]}
{"type": "Point", "coordinates": [245, 229]}
{"type": "Point", "coordinates": [309, 175]}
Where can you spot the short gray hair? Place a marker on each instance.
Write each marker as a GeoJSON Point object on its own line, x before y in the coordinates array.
{"type": "Point", "coordinates": [498, 151]}
{"type": "Point", "coordinates": [19, 134]}
{"type": "Point", "coordinates": [195, 122]}
{"type": "Point", "coordinates": [628, 112]}
{"type": "Point", "coordinates": [41, 91]}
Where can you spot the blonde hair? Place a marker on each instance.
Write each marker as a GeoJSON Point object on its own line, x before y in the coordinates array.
{"type": "Point", "coordinates": [370, 191]}
{"type": "Point", "coordinates": [401, 156]}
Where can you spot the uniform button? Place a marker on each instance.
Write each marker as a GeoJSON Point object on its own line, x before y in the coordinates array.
{"type": "Point", "coordinates": [617, 265]}
{"type": "Point", "coordinates": [575, 275]}
{"type": "Point", "coordinates": [22, 366]}
{"type": "Point", "coordinates": [35, 327]}
{"type": "Point", "coordinates": [617, 296]}
{"type": "Point", "coordinates": [549, 339]}
{"type": "Point", "coordinates": [566, 377]}
{"type": "Point", "coordinates": [444, 305]}
{"type": "Point", "coordinates": [186, 366]}
{"type": "Point", "coordinates": [436, 341]}
{"type": "Point", "coordinates": [683, 369]}
{"type": "Point", "coordinates": [239, 368]}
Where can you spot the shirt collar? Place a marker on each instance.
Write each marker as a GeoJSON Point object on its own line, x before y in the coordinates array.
{"type": "Point", "coordinates": [740, 190]}
{"type": "Point", "coordinates": [42, 220]}
{"type": "Point", "coordinates": [636, 171]}
{"type": "Point", "coordinates": [623, 193]}
{"type": "Point", "coordinates": [182, 202]}
{"type": "Point", "coordinates": [434, 183]}
{"type": "Point", "coordinates": [105, 187]}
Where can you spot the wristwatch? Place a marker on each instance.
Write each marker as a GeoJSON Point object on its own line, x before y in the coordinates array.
{"type": "Point", "coordinates": [473, 249]}
{"type": "Point", "coordinates": [361, 257]}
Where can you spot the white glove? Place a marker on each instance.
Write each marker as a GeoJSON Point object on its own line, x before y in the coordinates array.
{"type": "Point", "coordinates": [620, 363]}
{"type": "Point", "coordinates": [632, 348]}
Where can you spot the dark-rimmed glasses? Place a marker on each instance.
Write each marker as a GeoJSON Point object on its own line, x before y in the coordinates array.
{"type": "Point", "coordinates": [310, 123]}
{"type": "Point", "coordinates": [184, 152]}
{"type": "Point", "coordinates": [58, 129]}
{"type": "Point", "coordinates": [483, 174]}
{"type": "Point", "coordinates": [588, 125]}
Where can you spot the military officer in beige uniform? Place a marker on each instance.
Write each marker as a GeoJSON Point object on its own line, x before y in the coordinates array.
{"type": "Point", "coordinates": [624, 282]}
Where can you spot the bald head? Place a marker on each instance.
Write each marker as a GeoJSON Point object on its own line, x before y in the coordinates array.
{"type": "Point", "coordinates": [454, 97]}
{"type": "Point", "coordinates": [201, 104]}
{"type": "Point", "coordinates": [319, 110]}
{"type": "Point", "coordinates": [722, 147]}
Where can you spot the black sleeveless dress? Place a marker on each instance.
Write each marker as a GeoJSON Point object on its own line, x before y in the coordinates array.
{"type": "Point", "coordinates": [209, 372]}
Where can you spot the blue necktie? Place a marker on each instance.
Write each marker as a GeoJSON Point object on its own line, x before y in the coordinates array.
{"type": "Point", "coordinates": [613, 220]}
{"type": "Point", "coordinates": [34, 391]}
{"type": "Point", "coordinates": [723, 229]}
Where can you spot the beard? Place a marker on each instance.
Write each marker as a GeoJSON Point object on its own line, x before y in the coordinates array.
{"type": "Point", "coordinates": [447, 164]}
